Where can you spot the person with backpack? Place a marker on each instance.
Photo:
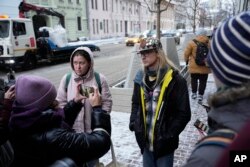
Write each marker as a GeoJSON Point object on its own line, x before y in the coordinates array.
{"type": "Point", "coordinates": [82, 64]}
{"type": "Point", "coordinates": [195, 55]}
{"type": "Point", "coordinates": [229, 60]}
{"type": "Point", "coordinates": [160, 106]}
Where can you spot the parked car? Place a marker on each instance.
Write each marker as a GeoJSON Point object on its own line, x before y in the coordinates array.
{"type": "Point", "coordinates": [171, 33]}
{"type": "Point", "coordinates": [133, 39]}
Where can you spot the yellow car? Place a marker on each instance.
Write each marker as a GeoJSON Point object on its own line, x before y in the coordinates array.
{"type": "Point", "coordinates": [133, 39]}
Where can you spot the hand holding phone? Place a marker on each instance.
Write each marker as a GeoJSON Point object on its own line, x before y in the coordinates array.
{"type": "Point", "coordinates": [86, 90]}
{"type": "Point", "coordinates": [95, 98]}
{"type": "Point", "coordinates": [10, 93]}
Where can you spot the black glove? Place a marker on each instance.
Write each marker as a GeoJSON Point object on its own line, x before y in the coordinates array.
{"type": "Point", "coordinates": [101, 119]}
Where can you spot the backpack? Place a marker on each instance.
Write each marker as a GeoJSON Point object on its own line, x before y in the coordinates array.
{"type": "Point", "coordinates": [97, 78]}
{"type": "Point", "coordinates": [201, 53]}
{"type": "Point", "coordinates": [220, 138]}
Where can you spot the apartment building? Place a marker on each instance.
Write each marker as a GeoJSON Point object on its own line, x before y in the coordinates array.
{"type": "Point", "coordinates": [112, 18]}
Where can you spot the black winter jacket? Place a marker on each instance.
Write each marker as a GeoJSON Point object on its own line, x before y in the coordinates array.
{"type": "Point", "coordinates": [43, 146]}
{"type": "Point", "coordinates": [172, 120]}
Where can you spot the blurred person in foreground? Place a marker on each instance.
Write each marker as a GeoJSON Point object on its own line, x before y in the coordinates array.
{"type": "Point", "coordinates": [41, 132]}
{"type": "Point", "coordinates": [198, 73]}
{"type": "Point", "coordinates": [160, 106]}
{"type": "Point", "coordinates": [6, 100]}
{"type": "Point", "coordinates": [229, 60]}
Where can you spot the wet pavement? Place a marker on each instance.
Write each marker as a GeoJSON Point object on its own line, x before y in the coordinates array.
{"type": "Point", "coordinates": [126, 149]}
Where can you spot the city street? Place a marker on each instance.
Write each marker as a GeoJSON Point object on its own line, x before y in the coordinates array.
{"type": "Point", "coordinates": [113, 61]}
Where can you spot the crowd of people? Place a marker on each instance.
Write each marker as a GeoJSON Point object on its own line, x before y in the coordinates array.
{"type": "Point", "coordinates": [45, 127]}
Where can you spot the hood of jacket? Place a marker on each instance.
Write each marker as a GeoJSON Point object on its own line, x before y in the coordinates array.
{"type": "Point", "coordinates": [89, 53]}
{"type": "Point", "coordinates": [230, 107]}
{"type": "Point", "coordinates": [202, 38]}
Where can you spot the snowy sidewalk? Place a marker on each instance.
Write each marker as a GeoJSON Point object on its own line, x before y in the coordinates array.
{"type": "Point", "coordinates": [125, 145]}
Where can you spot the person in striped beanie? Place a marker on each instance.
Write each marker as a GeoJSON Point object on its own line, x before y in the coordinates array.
{"type": "Point", "coordinates": [229, 60]}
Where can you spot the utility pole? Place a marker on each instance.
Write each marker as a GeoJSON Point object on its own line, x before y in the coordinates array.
{"type": "Point", "coordinates": [158, 19]}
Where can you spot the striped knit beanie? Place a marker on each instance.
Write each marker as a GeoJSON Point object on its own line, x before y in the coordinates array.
{"type": "Point", "coordinates": [229, 56]}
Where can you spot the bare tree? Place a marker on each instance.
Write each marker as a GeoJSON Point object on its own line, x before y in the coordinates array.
{"type": "Point", "coordinates": [157, 6]}
{"type": "Point", "coordinates": [231, 7]}
{"type": "Point", "coordinates": [193, 12]}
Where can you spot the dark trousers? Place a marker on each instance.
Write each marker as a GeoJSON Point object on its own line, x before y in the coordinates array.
{"type": "Point", "coordinates": [199, 81]}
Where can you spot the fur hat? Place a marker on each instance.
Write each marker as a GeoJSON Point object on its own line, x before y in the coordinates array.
{"type": "Point", "coordinates": [229, 56]}
{"type": "Point", "coordinates": [34, 92]}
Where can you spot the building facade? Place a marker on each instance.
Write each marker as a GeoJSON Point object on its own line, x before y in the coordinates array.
{"type": "Point", "coordinates": [99, 19]}
{"type": "Point", "coordinates": [119, 18]}
{"type": "Point", "coordinates": [74, 12]}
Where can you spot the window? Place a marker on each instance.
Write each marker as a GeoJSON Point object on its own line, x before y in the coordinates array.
{"type": "Point", "coordinates": [4, 29]}
{"type": "Point", "coordinates": [116, 25]}
{"type": "Point", "coordinates": [92, 4]}
{"type": "Point", "coordinates": [96, 6]}
{"type": "Point", "coordinates": [104, 28]}
{"type": "Point", "coordinates": [100, 25]}
{"type": "Point", "coordinates": [19, 29]}
{"type": "Point", "coordinates": [116, 5]}
{"type": "Point", "coordinates": [77, 1]}
{"type": "Point", "coordinates": [121, 26]}
{"type": "Point", "coordinates": [79, 24]}
{"type": "Point", "coordinates": [97, 27]}
{"type": "Point", "coordinates": [70, 1]}
{"type": "Point", "coordinates": [107, 26]}
{"type": "Point", "coordinates": [106, 5]}
{"type": "Point", "coordinates": [93, 22]}
{"type": "Point", "coordinates": [112, 6]}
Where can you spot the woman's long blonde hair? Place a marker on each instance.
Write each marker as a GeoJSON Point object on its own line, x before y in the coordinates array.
{"type": "Point", "coordinates": [163, 62]}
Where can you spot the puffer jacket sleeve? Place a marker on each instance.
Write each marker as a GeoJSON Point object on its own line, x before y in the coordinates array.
{"type": "Point", "coordinates": [135, 106]}
{"type": "Point", "coordinates": [81, 147]}
{"type": "Point", "coordinates": [71, 110]}
{"type": "Point", "coordinates": [106, 94]}
{"type": "Point", "coordinates": [61, 93]}
{"type": "Point", "coordinates": [5, 112]}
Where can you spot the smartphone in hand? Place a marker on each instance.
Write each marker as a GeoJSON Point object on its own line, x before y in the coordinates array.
{"type": "Point", "coordinates": [86, 90]}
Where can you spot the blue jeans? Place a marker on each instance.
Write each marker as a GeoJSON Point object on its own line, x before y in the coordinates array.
{"type": "Point", "coordinates": [164, 161]}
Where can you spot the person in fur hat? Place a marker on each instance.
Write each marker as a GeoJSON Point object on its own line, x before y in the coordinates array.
{"type": "Point", "coordinates": [41, 132]}
{"type": "Point", "coordinates": [229, 60]}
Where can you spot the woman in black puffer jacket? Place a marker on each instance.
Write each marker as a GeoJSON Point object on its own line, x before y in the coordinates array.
{"type": "Point", "coordinates": [42, 134]}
